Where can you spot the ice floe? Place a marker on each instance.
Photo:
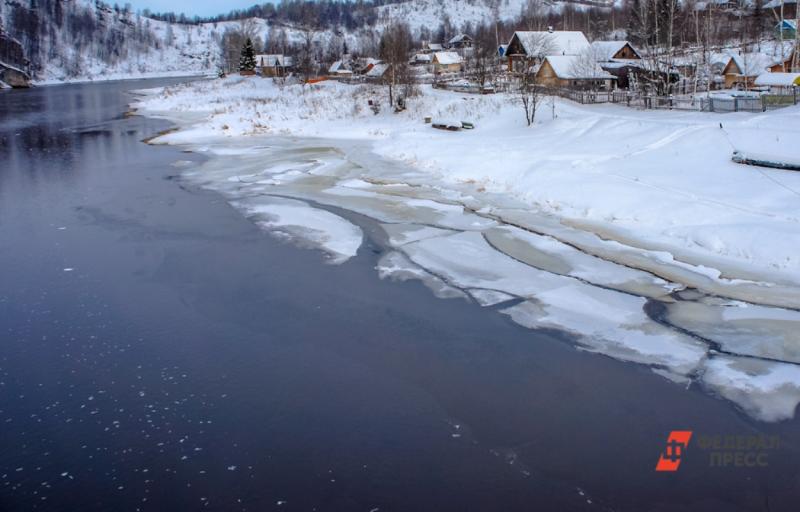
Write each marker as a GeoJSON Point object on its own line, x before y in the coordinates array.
{"type": "Point", "coordinates": [319, 228]}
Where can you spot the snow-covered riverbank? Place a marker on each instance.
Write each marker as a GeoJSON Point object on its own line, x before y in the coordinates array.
{"type": "Point", "coordinates": [587, 223]}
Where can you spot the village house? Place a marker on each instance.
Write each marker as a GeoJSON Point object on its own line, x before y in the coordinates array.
{"type": "Point", "coordinates": [340, 70]}
{"type": "Point", "coordinates": [273, 65]}
{"type": "Point", "coordinates": [421, 59]}
{"type": "Point", "coordinates": [573, 72]}
{"type": "Point", "coordinates": [428, 47]}
{"type": "Point", "coordinates": [787, 64]}
{"type": "Point", "coordinates": [789, 29]}
{"type": "Point", "coordinates": [618, 58]}
{"type": "Point", "coordinates": [530, 48]}
{"type": "Point", "coordinates": [378, 72]}
{"type": "Point", "coordinates": [446, 62]}
{"type": "Point", "coordinates": [742, 70]}
{"type": "Point", "coordinates": [460, 42]}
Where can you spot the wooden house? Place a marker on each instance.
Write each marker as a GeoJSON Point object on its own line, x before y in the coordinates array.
{"type": "Point", "coordinates": [529, 48]}
{"type": "Point", "coordinates": [446, 62]}
{"type": "Point", "coordinates": [607, 51]}
{"type": "Point", "coordinates": [742, 70]}
{"type": "Point", "coordinates": [618, 58]}
{"type": "Point", "coordinates": [573, 72]}
{"type": "Point", "coordinates": [786, 64]}
{"type": "Point", "coordinates": [460, 42]}
{"type": "Point", "coordinates": [273, 65]}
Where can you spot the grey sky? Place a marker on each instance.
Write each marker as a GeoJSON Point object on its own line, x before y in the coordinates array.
{"type": "Point", "coordinates": [190, 7]}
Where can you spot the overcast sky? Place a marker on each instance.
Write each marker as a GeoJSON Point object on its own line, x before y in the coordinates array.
{"type": "Point", "coordinates": [191, 7]}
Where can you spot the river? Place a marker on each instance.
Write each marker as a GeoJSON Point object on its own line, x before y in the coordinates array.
{"type": "Point", "coordinates": [161, 352]}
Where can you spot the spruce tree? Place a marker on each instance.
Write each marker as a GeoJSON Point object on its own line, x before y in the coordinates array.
{"type": "Point", "coordinates": [247, 62]}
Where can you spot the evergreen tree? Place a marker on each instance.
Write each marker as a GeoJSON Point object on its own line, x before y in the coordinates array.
{"type": "Point", "coordinates": [247, 62]}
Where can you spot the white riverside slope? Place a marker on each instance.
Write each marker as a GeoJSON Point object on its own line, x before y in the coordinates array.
{"type": "Point", "coordinates": [491, 239]}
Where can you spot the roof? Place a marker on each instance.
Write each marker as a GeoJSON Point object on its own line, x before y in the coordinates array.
{"type": "Point", "coordinates": [272, 61]}
{"type": "Point", "coordinates": [790, 24]}
{"type": "Point", "coordinates": [778, 79]}
{"type": "Point", "coordinates": [460, 38]}
{"type": "Point", "coordinates": [605, 50]}
{"type": "Point", "coordinates": [335, 67]}
{"type": "Point", "coordinates": [573, 67]}
{"type": "Point", "coordinates": [776, 4]}
{"type": "Point", "coordinates": [753, 64]}
{"type": "Point", "coordinates": [435, 46]}
{"type": "Point", "coordinates": [552, 43]}
{"type": "Point", "coordinates": [378, 70]}
{"type": "Point", "coordinates": [446, 58]}
{"type": "Point", "coordinates": [422, 57]}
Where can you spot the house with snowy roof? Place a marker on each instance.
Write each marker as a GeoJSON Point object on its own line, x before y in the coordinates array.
{"type": "Point", "coordinates": [573, 72]}
{"type": "Point", "coordinates": [743, 69]}
{"type": "Point", "coordinates": [608, 51]}
{"type": "Point", "coordinates": [340, 69]}
{"type": "Point", "coordinates": [618, 58]}
{"type": "Point", "coordinates": [786, 29]}
{"type": "Point", "coordinates": [446, 62]}
{"type": "Point", "coordinates": [274, 65]}
{"type": "Point", "coordinates": [460, 41]}
{"type": "Point", "coordinates": [428, 47]}
{"type": "Point", "coordinates": [529, 48]}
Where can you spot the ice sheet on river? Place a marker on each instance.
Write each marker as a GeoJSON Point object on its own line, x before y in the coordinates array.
{"type": "Point", "coordinates": [313, 226]}
{"type": "Point", "coordinates": [604, 320]}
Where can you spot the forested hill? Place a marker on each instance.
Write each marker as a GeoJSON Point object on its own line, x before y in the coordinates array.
{"type": "Point", "coordinates": [78, 39]}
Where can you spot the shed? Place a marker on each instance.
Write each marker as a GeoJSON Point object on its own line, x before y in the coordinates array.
{"type": "Point", "coordinates": [779, 82]}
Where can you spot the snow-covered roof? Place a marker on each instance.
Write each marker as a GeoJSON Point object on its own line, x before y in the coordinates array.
{"type": "Point", "coordinates": [378, 70]}
{"type": "Point", "coordinates": [335, 67]}
{"type": "Point", "coordinates": [446, 58]}
{"type": "Point", "coordinates": [422, 57]}
{"type": "Point", "coordinates": [435, 46]}
{"type": "Point", "coordinates": [778, 79]}
{"type": "Point", "coordinates": [272, 61]}
{"type": "Point", "coordinates": [605, 50]}
{"type": "Point", "coordinates": [573, 67]}
{"type": "Point", "coordinates": [460, 38]}
{"type": "Point", "coordinates": [552, 43]}
{"type": "Point", "coordinates": [753, 64]}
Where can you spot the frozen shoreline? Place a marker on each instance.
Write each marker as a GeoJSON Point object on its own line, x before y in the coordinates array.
{"type": "Point", "coordinates": [557, 274]}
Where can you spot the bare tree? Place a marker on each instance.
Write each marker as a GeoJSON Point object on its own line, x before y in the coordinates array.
{"type": "Point", "coordinates": [530, 93]}
{"type": "Point", "coordinates": [483, 58]}
{"type": "Point", "coordinates": [395, 46]}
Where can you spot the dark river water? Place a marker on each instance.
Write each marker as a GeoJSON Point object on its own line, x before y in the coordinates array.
{"type": "Point", "coordinates": [159, 352]}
